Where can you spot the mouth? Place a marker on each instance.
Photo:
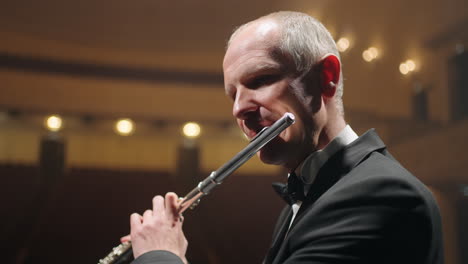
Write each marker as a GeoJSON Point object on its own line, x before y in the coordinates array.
{"type": "Point", "coordinates": [252, 128]}
{"type": "Point", "coordinates": [251, 134]}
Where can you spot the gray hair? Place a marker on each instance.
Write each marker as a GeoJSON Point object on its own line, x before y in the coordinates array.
{"type": "Point", "coordinates": [306, 40]}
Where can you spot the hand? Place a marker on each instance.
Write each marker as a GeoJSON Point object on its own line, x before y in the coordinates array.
{"type": "Point", "coordinates": [158, 229]}
{"type": "Point", "coordinates": [126, 238]}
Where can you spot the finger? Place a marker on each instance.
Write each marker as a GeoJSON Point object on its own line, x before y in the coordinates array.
{"type": "Point", "coordinates": [171, 202]}
{"type": "Point", "coordinates": [158, 205]}
{"type": "Point", "coordinates": [172, 206]}
{"type": "Point", "coordinates": [126, 238]}
{"type": "Point", "coordinates": [147, 215]}
{"type": "Point", "coordinates": [135, 221]}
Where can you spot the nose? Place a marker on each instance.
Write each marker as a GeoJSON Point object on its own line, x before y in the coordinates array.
{"type": "Point", "coordinates": [244, 103]}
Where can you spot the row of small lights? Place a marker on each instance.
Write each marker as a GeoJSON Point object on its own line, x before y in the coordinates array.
{"type": "Point", "coordinates": [372, 53]}
{"type": "Point", "coordinates": [126, 126]}
{"type": "Point", "coordinates": [123, 126]}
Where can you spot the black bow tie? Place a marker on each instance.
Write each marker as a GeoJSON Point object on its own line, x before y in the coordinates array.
{"type": "Point", "coordinates": [291, 192]}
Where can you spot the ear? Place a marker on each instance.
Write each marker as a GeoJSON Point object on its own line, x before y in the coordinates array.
{"type": "Point", "coordinates": [329, 75]}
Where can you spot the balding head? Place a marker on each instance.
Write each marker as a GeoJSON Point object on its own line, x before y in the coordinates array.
{"type": "Point", "coordinates": [301, 38]}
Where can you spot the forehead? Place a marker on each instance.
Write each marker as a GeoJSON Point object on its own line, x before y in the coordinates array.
{"type": "Point", "coordinates": [259, 37]}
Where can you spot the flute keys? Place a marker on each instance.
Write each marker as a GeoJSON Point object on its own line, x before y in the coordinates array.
{"type": "Point", "coordinates": [194, 204]}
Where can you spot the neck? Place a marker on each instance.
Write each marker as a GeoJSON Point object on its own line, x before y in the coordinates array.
{"type": "Point", "coordinates": [333, 126]}
{"type": "Point", "coordinates": [329, 132]}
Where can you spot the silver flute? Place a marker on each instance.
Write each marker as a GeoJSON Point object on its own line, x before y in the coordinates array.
{"type": "Point", "coordinates": [123, 253]}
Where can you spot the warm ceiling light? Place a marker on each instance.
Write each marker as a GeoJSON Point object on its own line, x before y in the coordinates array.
{"type": "Point", "coordinates": [374, 52]}
{"type": "Point", "coordinates": [124, 127]}
{"type": "Point", "coordinates": [343, 44]}
{"type": "Point", "coordinates": [366, 55]}
{"type": "Point", "coordinates": [53, 123]}
{"type": "Point", "coordinates": [370, 54]}
{"type": "Point", "coordinates": [191, 130]}
{"type": "Point", "coordinates": [407, 67]}
{"type": "Point", "coordinates": [404, 69]}
{"type": "Point", "coordinates": [411, 65]}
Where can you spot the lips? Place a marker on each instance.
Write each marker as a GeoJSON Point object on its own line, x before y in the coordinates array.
{"type": "Point", "coordinates": [251, 134]}
{"type": "Point", "coordinates": [253, 127]}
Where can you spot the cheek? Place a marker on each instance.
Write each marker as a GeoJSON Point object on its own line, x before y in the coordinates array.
{"type": "Point", "coordinates": [274, 94]}
{"type": "Point", "coordinates": [277, 103]}
{"type": "Point", "coordinates": [297, 131]}
{"type": "Point", "coordinates": [301, 133]}
{"type": "Point", "coordinates": [292, 134]}
{"type": "Point", "coordinates": [240, 124]}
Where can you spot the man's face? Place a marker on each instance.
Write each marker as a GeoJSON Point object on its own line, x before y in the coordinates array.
{"type": "Point", "coordinates": [263, 85]}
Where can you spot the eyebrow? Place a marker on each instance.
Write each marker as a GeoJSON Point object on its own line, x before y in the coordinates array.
{"type": "Point", "coordinates": [261, 68]}
{"type": "Point", "coordinates": [267, 66]}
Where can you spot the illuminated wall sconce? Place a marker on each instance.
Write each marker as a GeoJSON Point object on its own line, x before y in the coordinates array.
{"type": "Point", "coordinates": [407, 67]}
{"type": "Point", "coordinates": [343, 44]}
{"type": "Point", "coordinates": [53, 123]}
{"type": "Point", "coordinates": [370, 54]}
{"type": "Point", "coordinates": [191, 130]}
{"type": "Point", "coordinates": [124, 127]}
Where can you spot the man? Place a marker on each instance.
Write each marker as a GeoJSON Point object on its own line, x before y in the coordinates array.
{"type": "Point", "coordinates": [353, 203]}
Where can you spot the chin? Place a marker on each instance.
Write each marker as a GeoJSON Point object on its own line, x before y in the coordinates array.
{"type": "Point", "coordinates": [267, 159]}
{"type": "Point", "coordinates": [284, 153]}
{"type": "Point", "coordinates": [272, 153]}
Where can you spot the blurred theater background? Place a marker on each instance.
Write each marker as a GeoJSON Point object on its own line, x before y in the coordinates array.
{"type": "Point", "coordinates": [67, 190]}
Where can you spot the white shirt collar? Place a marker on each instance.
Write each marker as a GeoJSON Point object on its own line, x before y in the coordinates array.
{"type": "Point", "coordinates": [307, 171]}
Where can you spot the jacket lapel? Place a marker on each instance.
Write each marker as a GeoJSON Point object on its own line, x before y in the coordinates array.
{"type": "Point", "coordinates": [279, 234]}
{"type": "Point", "coordinates": [338, 166]}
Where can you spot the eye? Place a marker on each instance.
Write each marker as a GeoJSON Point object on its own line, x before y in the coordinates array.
{"type": "Point", "coordinates": [262, 80]}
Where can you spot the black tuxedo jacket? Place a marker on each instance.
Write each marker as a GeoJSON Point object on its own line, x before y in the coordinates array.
{"type": "Point", "coordinates": [363, 207]}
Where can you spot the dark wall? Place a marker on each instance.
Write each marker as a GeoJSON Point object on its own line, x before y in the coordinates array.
{"type": "Point", "coordinates": [458, 83]}
{"type": "Point", "coordinates": [81, 217]}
